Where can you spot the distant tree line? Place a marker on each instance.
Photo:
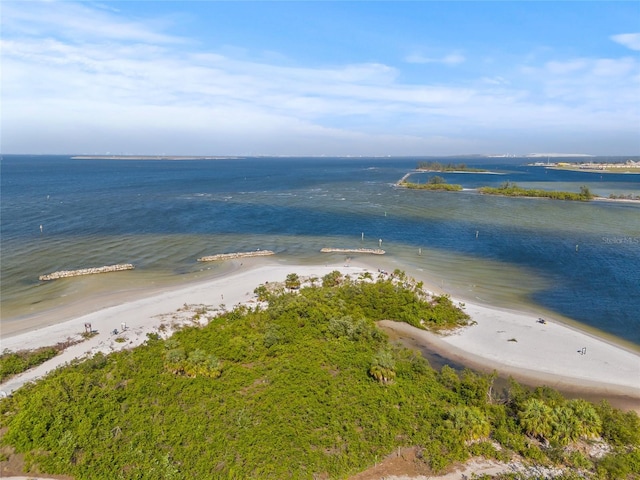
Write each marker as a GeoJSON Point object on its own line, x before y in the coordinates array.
{"type": "Point", "coordinates": [449, 167]}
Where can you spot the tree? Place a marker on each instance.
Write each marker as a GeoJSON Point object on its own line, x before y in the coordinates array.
{"type": "Point", "coordinates": [585, 192]}
{"type": "Point", "coordinates": [292, 282]}
{"type": "Point", "coordinates": [471, 422]}
{"type": "Point", "coordinates": [383, 367]}
{"type": "Point", "coordinates": [536, 419]}
{"type": "Point", "coordinates": [262, 293]}
{"type": "Point", "coordinates": [589, 423]}
{"type": "Point", "coordinates": [332, 279]}
{"type": "Point", "coordinates": [565, 425]}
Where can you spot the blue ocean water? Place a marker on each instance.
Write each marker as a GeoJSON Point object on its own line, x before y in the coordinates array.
{"type": "Point", "coordinates": [581, 260]}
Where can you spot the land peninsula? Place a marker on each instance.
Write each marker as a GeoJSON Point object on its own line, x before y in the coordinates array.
{"type": "Point", "coordinates": [190, 385]}
{"type": "Point", "coordinates": [630, 166]}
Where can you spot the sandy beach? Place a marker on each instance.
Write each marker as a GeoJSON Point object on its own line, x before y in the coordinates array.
{"type": "Point", "coordinates": [511, 342]}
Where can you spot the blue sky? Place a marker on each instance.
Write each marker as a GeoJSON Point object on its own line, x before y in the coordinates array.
{"type": "Point", "coordinates": [320, 78]}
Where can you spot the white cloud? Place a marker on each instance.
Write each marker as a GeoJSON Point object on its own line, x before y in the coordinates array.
{"type": "Point", "coordinates": [77, 21]}
{"type": "Point", "coordinates": [497, 80]}
{"type": "Point", "coordinates": [566, 67]}
{"type": "Point", "coordinates": [128, 86]}
{"type": "Point", "coordinates": [614, 67]}
{"type": "Point", "coordinates": [450, 59]}
{"type": "Point", "coordinates": [629, 40]}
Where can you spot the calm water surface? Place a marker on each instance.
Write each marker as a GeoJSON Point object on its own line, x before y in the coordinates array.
{"type": "Point", "coordinates": [579, 260]}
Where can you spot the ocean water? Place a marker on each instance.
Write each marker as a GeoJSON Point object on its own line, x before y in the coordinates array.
{"type": "Point", "coordinates": [577, 260]}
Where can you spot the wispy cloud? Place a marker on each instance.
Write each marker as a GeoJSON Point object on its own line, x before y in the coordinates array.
{"type": "Point", "coordinates": [450, 59]}
{"type": "Point", "coordinates": [91, 80]}
{"type": "Point", "coordinates": [80, 22]}
{"type": "Point", "coordinates": [629, 40]}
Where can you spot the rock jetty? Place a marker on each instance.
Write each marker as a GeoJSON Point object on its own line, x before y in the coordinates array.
{"type": "Point", "coordinates": [374, 251]}
{"type": "Point", "coordinates": [230, 256]}
{"type": "Point", "coordinates": [86, 271]}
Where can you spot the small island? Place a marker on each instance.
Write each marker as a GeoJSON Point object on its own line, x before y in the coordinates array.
{"type": "Point", "coordinates": [433, 183]}
{"type": "Point", "coordinates": [449, 167]}
{"type": "Point", "coordinates": [510, 189]}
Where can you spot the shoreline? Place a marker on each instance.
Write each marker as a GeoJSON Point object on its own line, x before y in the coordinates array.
{"type": "Point", "coordinates": [511, 342]}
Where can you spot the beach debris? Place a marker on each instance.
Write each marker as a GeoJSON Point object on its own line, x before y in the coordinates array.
{"type": "Point", "coordinates": [86, 271]}
{"type": "Point", "coordinates": [230, 256]}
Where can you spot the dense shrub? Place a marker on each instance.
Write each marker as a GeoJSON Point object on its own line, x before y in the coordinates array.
{"type": "Point", "coordinates": [307, 387]}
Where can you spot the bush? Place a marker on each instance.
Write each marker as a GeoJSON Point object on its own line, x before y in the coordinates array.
{"type": "Point", "coordinates": [12, 364]}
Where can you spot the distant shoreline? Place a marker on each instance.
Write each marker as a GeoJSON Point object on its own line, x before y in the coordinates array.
{"type": "Point", "coordinates": [634, 171]}
{"type": "Point", "coordinates": [150, 157]}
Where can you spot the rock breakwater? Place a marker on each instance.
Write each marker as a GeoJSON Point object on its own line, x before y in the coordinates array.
{"type": "Point", "coordinates": [86, 271]}
{"type": "Point", "coordinates": [374, 251]}
{"type": "Point", "coordinates": [230, 256]}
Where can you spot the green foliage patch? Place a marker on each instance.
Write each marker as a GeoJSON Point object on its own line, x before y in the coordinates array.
{"type": "Point", "coordinates": [432, 186]}
{"type": "Point", "coordinates": [510, 189]}
{"type": "Point", "coordinates": [448, 167]}
{"type": "Point", "coordinates": [14, 363]}
{"type": "Point", "coordinates": [305, 387]}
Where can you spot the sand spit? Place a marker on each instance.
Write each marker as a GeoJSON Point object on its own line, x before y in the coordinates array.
{"type": "Point", "coordinates": [86, 271]}
{"type": "Point", "coordinates": [232, 256]}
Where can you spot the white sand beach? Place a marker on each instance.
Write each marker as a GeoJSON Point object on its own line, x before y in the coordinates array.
{"type": "Point", "coordinates": [511, 342]}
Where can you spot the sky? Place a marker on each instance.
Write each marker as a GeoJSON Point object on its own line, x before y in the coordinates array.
{"type": "Point", "coordinates": [369, 78]}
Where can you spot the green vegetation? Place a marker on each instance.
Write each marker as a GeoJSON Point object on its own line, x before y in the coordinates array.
{"type": "Point", "coordinates": [625, 197]}
{"type": "Point", "coordinates": [433, 183]}
{"type": "Point", "coordinates": [14, 363]}
{"type": "Point", "coordinates": [292, 282]}
{"type": "Point", "coordinates": [305, 387]}
{"type": "Point", "coordinates": [512, 190]}
{"type": "Point", "coordinates": [449, 167]}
